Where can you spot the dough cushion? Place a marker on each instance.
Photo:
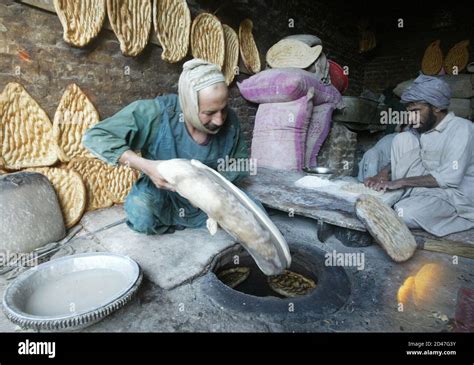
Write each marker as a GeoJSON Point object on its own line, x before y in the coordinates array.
{"type": "Point", "coordinates": [195, 182]}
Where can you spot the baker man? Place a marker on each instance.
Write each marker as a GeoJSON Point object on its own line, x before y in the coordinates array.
{"type": "Point", "coordinates": [433, 162]}
{"type": "Point", "coordinates": [197, 124]}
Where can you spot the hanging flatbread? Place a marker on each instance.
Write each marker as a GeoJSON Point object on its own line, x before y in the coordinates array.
{"type": "Point", "coordinates": [94, 174]}
{"type": "Point", "coordinates": [119, 182]}
{"type": "Point", "coordinates": [231, 62]}
{"type": "Point", "coordinates": [172, 21]}
{"type": "Point", "coordinates": [432, 59]}
{"type": "Point", "coordinates": [207, 39]}
{"type": "Point", "coordinates": [75, 114]}
{"type": "Point", "coordinates": [388, 230]}
{"type": "Point", "coordinates": [71, 192]}
{"type": "Point", "coordinates": [25, 131]}
{"type": "Point", "coordinates": [81, 20]}
{"type": "Point", "coordinates": [131, 23]}
{"type": "Point", "coordinates": [292, 53]}
{"type": "Point", "coordinates": [457, 58]}
{"type": "Point", "coordinates": [248, 48]}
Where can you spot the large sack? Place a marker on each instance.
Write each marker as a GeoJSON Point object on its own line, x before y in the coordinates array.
{"type": "Point", "coordinates": [287, 84]}
{"type": "Point", "coordinates": [462, 86]}
{"type": "Point", "coordinates": [280, 133]}
{"type": "Point", "coordinates": [318, 130]}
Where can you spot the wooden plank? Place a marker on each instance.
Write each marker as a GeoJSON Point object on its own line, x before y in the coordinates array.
{"type": "Point", "coordinates": [276, 189]}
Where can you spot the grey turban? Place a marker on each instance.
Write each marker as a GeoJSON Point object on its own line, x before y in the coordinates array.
{"type": "Point", "coordinates": [428, 89]}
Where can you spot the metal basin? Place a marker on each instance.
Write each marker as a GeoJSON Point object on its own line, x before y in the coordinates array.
{"type": "Point", "coordinates": [71, 292]}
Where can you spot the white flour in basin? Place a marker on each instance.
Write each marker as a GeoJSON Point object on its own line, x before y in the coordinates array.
{"type": "Point", "coordinates": [76, 292]}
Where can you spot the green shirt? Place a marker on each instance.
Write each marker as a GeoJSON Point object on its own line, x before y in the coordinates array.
{"type": "Point", "coordinates": [150, 126]}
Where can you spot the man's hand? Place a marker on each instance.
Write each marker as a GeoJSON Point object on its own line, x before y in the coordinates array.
{"type": "Point", "coordinates": [148, 167]}
{"type": "Point", "coordinates": [380, 178]}
{"type": "Point", "coordinates": [389, 185]}
{"type": "Point", "coordinates": [151, 170]}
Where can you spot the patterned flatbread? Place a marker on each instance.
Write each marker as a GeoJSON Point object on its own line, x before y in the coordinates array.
{"type": "Point", "coordinates": [131, 23]}
{"type": "Point", "coordinates": [172, 20]}
{"type": "Point", "coordinates": [207, 39]}
{"type": "Point", "coordinates": [71, 192]}
{"type": "Point", "coordinates": [25, 131]}
{"type": "Point", "coordinates": [231, 62]}
{"type": "Point", "coordinates": [75, 114]}
{"type": "Point", "coordinates": [94, 174]}
{"type": "Point", "coordinates": [248, 47]}
{"type": "Point", "coordinates": [81, 20]}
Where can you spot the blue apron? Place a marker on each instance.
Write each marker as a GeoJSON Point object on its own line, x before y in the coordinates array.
{"type": "Point", "coordinates": [153, 211]}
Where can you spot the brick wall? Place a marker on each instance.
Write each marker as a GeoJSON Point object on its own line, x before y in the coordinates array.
{"type": "Point", "coordinates": [399, 51]}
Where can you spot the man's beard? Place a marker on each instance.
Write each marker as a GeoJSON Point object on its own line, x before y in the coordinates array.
{"type": "Point", "coordinates": [212, 128]}
{"type": "Point", "coordinates": [429, 124]}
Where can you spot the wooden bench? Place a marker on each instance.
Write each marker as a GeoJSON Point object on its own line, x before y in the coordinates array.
{"type": "Point", "coordinates": [276, 189]}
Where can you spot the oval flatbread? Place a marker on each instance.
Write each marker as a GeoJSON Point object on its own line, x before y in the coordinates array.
{"type": "Point", "coordinates": [291, 284]}
{"type": "Point", "coordinates": [292, 53]}
{"type": "Point", "coordinates": [75, 114]}
{"type": "Point", "coordinates": [386, 228]}
{"type": "Point", "coordinates": [207, 39]}
{"type": "Point", "coordinates": [94, 174]}
{"type": "Point", "coordinates": [81, 20]}
{"type": "Point", "coordinates": [231, 61]}
{"type": "Point", "coordinates": [25, 131]}
{"type": "Point", "coordinates": [71, 192]}
{"type": "Point", "coordinates": [131, 23]}
{"type": "Point", "coordinates": [457, 58]}
{"type": "Point", "coordinates": [248, 47]}
{"type": "Point", "coordinates": [120, 181]}
{"type": "Point", "coordinates": [432, 59]}
{"type": "Point", "coordinates": [172, 21]}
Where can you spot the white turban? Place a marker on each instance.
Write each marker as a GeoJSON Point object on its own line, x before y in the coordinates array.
{"type": "Point", "coordinates": [197, 75]}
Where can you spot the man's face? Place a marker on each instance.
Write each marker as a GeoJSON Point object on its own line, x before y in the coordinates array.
{"type": "Point", "coordinates": [213, 106]}
{"type": "Point", "coordinates": [422, 116]}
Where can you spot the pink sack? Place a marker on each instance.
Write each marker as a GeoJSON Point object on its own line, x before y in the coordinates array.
{"type": "Point", "coordinates": [287, 84]}
{"type": "Point", "coordinates": [318, 130]}
{"type": "Point", "coordinates": [279, 135]}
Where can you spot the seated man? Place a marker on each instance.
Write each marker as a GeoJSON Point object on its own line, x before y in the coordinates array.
{"type": "Point", "coordinates": [197, 124]}
{"type": "Point", "coordinates": [376, 158]}
{"type": "Point", "coordinates": [433, 162]}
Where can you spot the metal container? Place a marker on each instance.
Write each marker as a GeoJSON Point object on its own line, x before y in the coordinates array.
{"type": "Point", "coordinates": [98, 284]}
{"type": "Point", "coordinates": [357, 110]}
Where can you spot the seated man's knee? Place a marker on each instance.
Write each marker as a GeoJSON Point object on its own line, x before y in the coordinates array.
{"type": "Point", "coordinates": [140, 214]}
{"type": "Point", "coordinates": [407, 214]}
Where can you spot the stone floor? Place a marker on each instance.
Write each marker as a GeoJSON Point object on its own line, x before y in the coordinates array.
{"type": "Point", "coordinates": [173, 295]}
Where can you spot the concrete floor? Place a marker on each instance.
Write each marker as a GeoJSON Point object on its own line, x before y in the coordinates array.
{"type": "Point", "coordinates": [173, 295]}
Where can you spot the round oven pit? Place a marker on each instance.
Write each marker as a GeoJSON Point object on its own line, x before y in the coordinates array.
{"type": "Point", "coordinates": [308, 289]}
